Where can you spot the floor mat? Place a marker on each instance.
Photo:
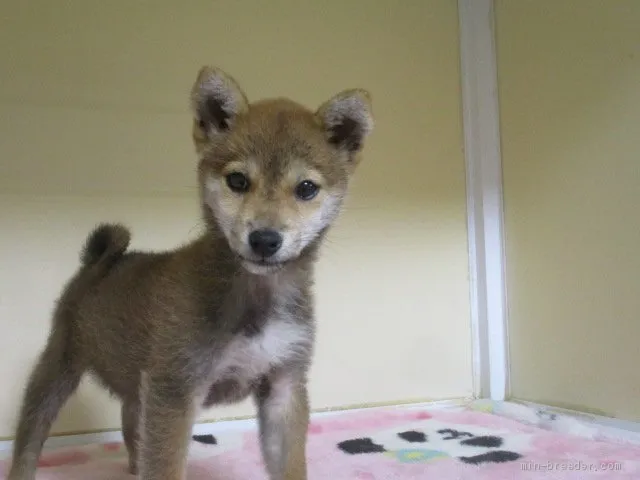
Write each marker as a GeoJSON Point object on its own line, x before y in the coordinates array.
{"type": "Point", "coordinates": [385, 444]}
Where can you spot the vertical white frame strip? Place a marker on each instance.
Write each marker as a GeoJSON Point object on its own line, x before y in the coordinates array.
{"type": "Point", "coordinates": [484, 197]}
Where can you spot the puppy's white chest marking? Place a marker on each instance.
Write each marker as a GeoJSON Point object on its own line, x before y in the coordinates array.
{"type": "Point", "coordinates": [249, 357]}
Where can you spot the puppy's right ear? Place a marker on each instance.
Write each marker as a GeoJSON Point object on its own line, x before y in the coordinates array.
{"type": "Point", "coordinates": [216, 101]}
{"type": "Point", "coordinates": [347, 119]}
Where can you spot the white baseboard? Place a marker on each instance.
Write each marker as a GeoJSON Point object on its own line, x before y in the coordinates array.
{"type": "Point", "coordinates": [216, 427]}
{"type": "Point", "coordinates": [600, 420]}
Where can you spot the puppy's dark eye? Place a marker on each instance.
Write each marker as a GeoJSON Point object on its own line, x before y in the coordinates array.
{"type": "Point", "coordinates": [306, 190]}
{"type": "Point", "coordinates": [238, 182]}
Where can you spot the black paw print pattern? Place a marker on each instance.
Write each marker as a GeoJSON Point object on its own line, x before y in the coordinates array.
{"type": "Point", "coordinates": [206, 439]}
{"type": "Point", "coordinates": [494, 454]}
{"type": "Point", "coordinates": [488, 441]}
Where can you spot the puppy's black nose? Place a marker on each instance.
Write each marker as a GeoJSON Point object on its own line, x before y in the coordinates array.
{"type": "Point", "coordinates": [265, 242]}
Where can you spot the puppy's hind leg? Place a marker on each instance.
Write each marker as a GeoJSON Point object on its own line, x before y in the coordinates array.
{"type": "Point", "coordinates": [53, 380]}
{"type": "Point", "coordinates": [131, 431]}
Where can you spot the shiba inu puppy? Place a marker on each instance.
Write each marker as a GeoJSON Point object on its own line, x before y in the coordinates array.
{"type": "Point", "coordinates": [225, 317]}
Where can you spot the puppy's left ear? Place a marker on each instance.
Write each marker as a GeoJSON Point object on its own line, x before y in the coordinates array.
{"type": "Point", "coordinates": [347, 119]}
{"type": "Point", "coordinates": [216, 102]}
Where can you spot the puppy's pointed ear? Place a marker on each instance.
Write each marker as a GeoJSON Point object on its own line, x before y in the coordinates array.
{"type": "Point", "coordinates": [347, 119]}
{"type": "Point", "coordinates": [216, 101]}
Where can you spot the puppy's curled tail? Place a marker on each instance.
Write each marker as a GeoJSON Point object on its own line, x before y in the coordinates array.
{"type": "Point", "coordinates": [105, 244]}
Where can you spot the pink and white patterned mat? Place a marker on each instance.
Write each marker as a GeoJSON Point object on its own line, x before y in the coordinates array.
{"type": "Point", "coordinates": [384, 444]}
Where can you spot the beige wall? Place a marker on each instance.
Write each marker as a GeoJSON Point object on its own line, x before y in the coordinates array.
{"type": "Point", "coordinates": [570, 105]}
{"type": "Point", "coordinates": [94, 126]}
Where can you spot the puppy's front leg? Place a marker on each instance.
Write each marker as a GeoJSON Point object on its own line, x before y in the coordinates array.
{"type": "Point", "coordinates": [283, 414]}
{"type": "Point", "coordinates": [167, 420]}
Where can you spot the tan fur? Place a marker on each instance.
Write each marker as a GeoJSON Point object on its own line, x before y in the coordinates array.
{"type": "Point", "coordinates": [216, 320]}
